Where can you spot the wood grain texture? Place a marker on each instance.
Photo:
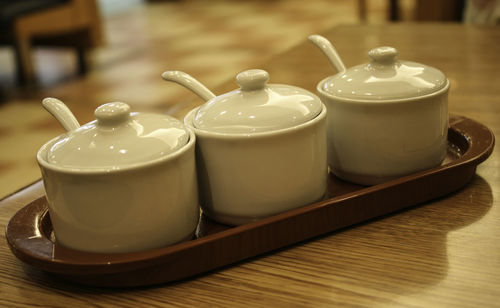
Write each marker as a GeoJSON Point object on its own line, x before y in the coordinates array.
{"type": "Point", "coordinates": [442, 253]}
{"type": "Point", "coordinates": [29, 232]}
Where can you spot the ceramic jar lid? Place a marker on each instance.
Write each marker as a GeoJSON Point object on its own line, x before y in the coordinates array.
{"type": "Point", "coordinates": [257, 107]}
{"type": "Point", "coordinates": [385, 78]}
{"type": "Point", "coordinates": [118, 138]}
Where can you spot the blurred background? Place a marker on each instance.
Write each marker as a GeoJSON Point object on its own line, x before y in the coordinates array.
{"type": "Point", "coordinates": [90, 52]}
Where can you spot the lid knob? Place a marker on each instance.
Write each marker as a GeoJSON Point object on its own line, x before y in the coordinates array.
{"type": "Point", "coordinates": [252, 79]}
{"type": "Point", "coordinates": [383, 55]}
{"type": "Point", "coordinates": [112, 113]}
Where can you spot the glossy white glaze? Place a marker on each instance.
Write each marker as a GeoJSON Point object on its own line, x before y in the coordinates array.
{"type": "Point", "coordinates": [372, 143]}
{"type": "Point", "coordinates": [123, 208]}
{"type": "Point", "coordinates": [189, 82]}
{"type": "Point", "coordinates": [117, 139]}
{"type": "Point", "coordinates": [385, 78]}
{"type": "Point", "coordinates": [330, 52]}
{"type": "Point", "coordinates": [246, 177]}
{"type": "Point", "coordinates": [256, 106]}
{"type": "Point", "coordinates": [386, 119]}
{"type": "Point", "coordinates": [141, 208]}
{"type": "Point", "coordinates": [61, 112]}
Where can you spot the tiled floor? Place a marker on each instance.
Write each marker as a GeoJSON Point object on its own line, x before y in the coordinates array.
{"type": "Point", "coordinates": [211, 40]}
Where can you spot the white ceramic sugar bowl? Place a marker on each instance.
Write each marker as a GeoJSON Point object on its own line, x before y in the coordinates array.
{"type": "Point", "coordinates": [386, 119]}
{"type": "Point", "coordinates": [122, 183]}
{"type": "Point", "coordinates": [261, 149]}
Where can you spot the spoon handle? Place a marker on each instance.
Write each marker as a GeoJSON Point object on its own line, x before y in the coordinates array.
{"type": "Point", "coordinates": [329, 51]}
{"type": "Point", "coordinates": [189, 82]}
{"type": "Point", "coordinates": [61, 112]}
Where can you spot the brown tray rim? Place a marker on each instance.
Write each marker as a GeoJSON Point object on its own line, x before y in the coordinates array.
{"type": "Point", "coordinates": [480, 145]}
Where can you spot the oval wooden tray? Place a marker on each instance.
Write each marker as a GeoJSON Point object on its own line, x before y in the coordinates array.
{"type": "Point", "coordinates": [29, 232]}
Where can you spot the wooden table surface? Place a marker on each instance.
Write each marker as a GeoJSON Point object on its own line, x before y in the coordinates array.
{"type": "Point", "coordinates": [442, 253]}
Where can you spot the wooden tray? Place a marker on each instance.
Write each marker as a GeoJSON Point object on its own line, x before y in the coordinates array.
{"type": "Point", "coordinates": [29, 232]}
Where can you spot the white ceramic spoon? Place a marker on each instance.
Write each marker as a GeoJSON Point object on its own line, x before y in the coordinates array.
{"type": "Point", "coordinates": [189, 82]}
{"type": "Point", "coordinates": [61, 112]}
{"type": "Point", "coordinates": [329, 51]}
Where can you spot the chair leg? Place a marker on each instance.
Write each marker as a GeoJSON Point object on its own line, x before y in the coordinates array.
{"type": "Point", "coordinates": [362, 10]}
{"type": "Point", "coordinates": [3, 96]}
{"type": "Point", "coordinates": [24, 61]}
{"type": "Point", "coordinates": [394, 10]}
{"type": "Point", "coordinates": [81, 54]}
{"type": "Point", "coordinates": [19, 66]}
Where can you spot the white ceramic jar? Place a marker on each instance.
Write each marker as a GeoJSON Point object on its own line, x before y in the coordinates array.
{"type": "Point", "coordinates": [122, 183]}
{"type": "Point", "coordinates": [261, 149]}
{"type": "Point", "coordinates": [386, 119]}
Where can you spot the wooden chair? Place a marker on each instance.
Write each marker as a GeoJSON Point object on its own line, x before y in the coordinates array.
{"type": "Point", "coordinates": [72, 23]}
